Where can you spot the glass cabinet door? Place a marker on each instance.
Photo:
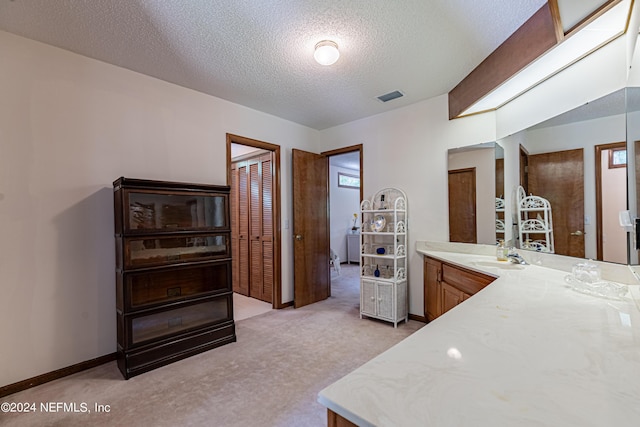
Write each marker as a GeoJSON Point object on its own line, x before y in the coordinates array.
{"type": "Point", "coordinates": [153, 212]}
{"type": "Point", "coordinates": [161, 250]}
{"type": "Point", "coordinates": [181, 319]}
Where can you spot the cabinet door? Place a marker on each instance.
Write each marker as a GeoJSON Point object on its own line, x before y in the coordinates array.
{"type": "Point", "coordinates": [450, 297]}
{"type": "Point", "coordinates": [149, 251]}
{"type": "Point", "coordinates": [178, 319]}
{"type": "Point", "coordinates": [385, 300]}
{"type": "Point", "coordinates": [368, 297]}
{"type": "Point", "coordinates": [151, 211]}
{"type": "Point", "coordinates": [432, 289]}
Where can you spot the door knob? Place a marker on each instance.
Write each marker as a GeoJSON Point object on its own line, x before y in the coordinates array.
{"type": "Point", "coordinates": [298, 236]}
{"type": "Point", "coordinates": [577, 233]}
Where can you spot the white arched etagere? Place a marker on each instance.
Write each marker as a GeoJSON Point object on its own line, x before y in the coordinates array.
{"type": "Point", "coordinates": [500, 226]}
{"type": "Point", "coordinates": [535, 223]}
{"type": "Point", "coordinates": [383, 256]}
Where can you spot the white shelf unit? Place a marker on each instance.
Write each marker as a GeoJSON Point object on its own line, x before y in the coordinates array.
{"type": "Point", "coordinates": [383, 295]}
{"type": "Point", "coordinates": [500, 219]}
{"type": "Point", "coordinates": [535, 223]}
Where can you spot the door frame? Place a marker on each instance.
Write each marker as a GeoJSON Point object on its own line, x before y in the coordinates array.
{"type": "Point", "coordinates": [598, 164]}
{"type": "Point", "coordinates": [277, 228]}
{"type": "Point", "coordinates": [350, 149]}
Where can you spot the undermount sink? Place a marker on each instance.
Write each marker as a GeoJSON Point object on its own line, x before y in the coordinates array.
{"type": "Point", "coordinates": [502, 265]}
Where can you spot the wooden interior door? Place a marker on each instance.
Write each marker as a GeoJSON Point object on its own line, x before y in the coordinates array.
{"type": "Point", "coordinates": [559, 178]}
{"type": "Point", "coordinates": [310, 228]}
{"type": "Point", "coordinates": [462, 205]}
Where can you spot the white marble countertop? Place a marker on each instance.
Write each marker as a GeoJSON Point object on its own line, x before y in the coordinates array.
{"type": "Point", "coordinates": [525, 351]}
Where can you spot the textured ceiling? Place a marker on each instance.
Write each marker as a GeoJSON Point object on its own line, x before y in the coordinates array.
{"type": "Point", "coordinates": [259, 53]}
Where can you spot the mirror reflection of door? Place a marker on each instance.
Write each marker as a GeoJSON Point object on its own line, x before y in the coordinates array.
{"type": "Point", "coordinates": [462, 205]}
{"type": "Point", "coordinates": [611, 174]}
{"type": "Point", "coordinates": [559, 177]}
{"type": "Point", "coordinates": [472, 193]}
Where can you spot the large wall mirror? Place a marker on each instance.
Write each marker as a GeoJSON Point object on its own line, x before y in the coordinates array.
{"type": "Point", "coordinates": [585, 161]}
{"type": "Point", "coordinates": [577, 162]}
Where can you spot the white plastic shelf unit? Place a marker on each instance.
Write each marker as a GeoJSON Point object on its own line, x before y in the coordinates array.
{"type": "Point", "coordinates": [383, 256]}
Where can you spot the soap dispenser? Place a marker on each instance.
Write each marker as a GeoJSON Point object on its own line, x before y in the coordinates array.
{"type": "Point", "coordinates": [501, 251]}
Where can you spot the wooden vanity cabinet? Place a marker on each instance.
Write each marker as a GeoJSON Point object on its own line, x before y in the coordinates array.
{"type": "Point", "coordinates": [447, 285]}
{"type": "Point", "coordinates": [173, 272]}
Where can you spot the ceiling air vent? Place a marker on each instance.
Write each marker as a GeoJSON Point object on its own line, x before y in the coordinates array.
{"type": "Point", "coordinates": [390, 96]}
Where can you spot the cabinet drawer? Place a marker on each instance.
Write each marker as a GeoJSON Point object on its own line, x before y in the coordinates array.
{"type": "Point", "coordinates": [182, 318]}
{"type": "Point", "coordinates": [147, 288]}
{"type": "Point", "coordinates": [466, 281]}
{"type": "Point", "coordinates": [161, 250]}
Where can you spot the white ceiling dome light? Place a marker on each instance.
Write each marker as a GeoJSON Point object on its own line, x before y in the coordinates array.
{"type": "Point", "coordinates": [326, 53]}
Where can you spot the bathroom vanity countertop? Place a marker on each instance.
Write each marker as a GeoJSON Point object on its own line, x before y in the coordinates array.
{"type": "Point", "coordinates": [527, 350]}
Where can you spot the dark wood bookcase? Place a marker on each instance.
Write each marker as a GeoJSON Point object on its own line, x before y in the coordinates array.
{"type": "Point", "coordinates": [173, 271]}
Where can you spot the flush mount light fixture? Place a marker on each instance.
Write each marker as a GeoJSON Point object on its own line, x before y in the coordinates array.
{"type": "Point", "coordinates": [326, 52]}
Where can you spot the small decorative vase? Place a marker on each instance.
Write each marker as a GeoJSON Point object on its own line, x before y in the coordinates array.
{"type": "Point", "coordinates": [377, 272]}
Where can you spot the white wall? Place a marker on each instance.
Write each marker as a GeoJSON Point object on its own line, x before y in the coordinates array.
{"type": "Point", "coordinates": [344, 202]}
{"type": "Point", "coordinates": [70, 126]}
{"type": "Point", "coordinates": [407, 148]}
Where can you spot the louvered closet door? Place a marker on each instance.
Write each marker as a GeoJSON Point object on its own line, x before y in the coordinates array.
{"type": "Point", "coordinates": [253, 258]}
{"type": "Point", "coordinates": [235, 246]}
{"type": "Point", "coordinates": [255, 227]}
{"type": "Point", "coordinates": [267, 228]}
{"type": "Point", "coordinates": [243, 231]}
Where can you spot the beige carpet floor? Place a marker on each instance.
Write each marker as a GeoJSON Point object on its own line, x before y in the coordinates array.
{"type": "Point", "coordinates": [270, 377]}
{"type": "Point", "coordinates": [245, 307]}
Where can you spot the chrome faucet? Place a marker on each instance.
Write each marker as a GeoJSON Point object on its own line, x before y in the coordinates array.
{"type": "Point", "coordinates": [515, 258]}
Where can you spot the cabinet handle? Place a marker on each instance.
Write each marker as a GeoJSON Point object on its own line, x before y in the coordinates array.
{"type": "Point", "coordinates": [373, 298]}
{"type": "Point", "coordinates": [439, 279]}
